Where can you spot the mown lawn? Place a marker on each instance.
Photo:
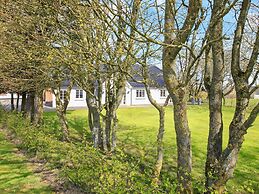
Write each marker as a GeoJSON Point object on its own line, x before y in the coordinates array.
{"type": "Point", "coordinates": [137, 135]}
{"type": "Point", "coordinates": [15, 174]}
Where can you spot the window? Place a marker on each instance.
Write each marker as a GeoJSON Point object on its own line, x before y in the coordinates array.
{"type": "Point", "coordinates": [124, 99]}
{"type": "Point", "coordinates": [63, 94]}
{"type": "Point", "coordinates": [140, 93]}
{"type": "Point", "coordinates": [162, 93]}
{"type": "Point", "coordinates": [79, 93]}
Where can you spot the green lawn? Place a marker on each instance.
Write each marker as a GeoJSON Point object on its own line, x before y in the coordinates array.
{"type": "Point", "coordinates": [15, 174]}
{"type": "Point", "coordinates": [138, 129]}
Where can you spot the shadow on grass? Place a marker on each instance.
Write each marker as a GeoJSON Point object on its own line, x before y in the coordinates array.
{"type": "Point", "coordinates": [15, 175]}
{"type": "Point", "coordinates": [12, 162]}
{"type": "Point", "coordinates": [79, 129]}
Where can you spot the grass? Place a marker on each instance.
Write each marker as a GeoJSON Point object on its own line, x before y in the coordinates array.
{"type": "Point", "coordinates": [138, 129]}
{"type": "Point", "coordinates": [15, 174]}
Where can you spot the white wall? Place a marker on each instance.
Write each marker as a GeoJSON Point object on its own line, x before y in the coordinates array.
{"type": "Point", "coordinates": [126, 99]}
{"type": "Point", "coordinates": [5, 100]}
{"type": "Point", "coordinates": [7, 96]}
{"type": "Point", "coordinates": [130, 99]}
{"type": "Point", "coordinates": [77, 102]}
{"type": "Point", "coordinates": [74, 102]}
{"type": "Point", "coordinates": [144, 100]}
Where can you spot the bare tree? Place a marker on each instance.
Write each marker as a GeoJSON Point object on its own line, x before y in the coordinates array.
{"type": "Point", "coordinates": [221, 163]}
{"type": "Point", "coordinates": [177, 89]}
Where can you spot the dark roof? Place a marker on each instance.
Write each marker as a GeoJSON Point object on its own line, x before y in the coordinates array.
{"type": "Point", "coordinates": [155, 74]}
{"type": "Point", "coordinates": [65, 83]}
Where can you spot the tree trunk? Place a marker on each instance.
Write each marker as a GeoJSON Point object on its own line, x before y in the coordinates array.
{"type": "Point", "coordinates": [97, 130]}
{"type": "Point", "coordinates": [67, 96]}
{"type": "Point", "coordinates": [108, 127]}
{"type": "Point", "coordinates": [17, 102]}
{"type": "Point", "coordinates": [63, 123]}
{"type": "Point", "coordinates": [23, 104]}
{"type": "Point", "coordinates": [160, 150]}
{"type": "Point", "coordinates": [94, 121]}
{"type": "Point", "coordinates": [214, 146]}
{"type": "Point", "coordinates": [229, 157]}
{"type": "Point", "coordinates": [223, 166]}
{"type": "Point", "coordinates": [114, 130]}
{"type": "Point", "coordinates": [177, 87]}
{"type": "Point", "coordinates": [224, 100]}
{"type": "Point", "coordinates": [28, 105]}
{"type": "Point", "coordinates": [161, 129]}
{"type": "Point", "coordinates": [32, 106]}
{"type": "Point", "coordinates": [39, 108]}
{"type": "Point", "coordinates": [183, 139]}
{"type": "Point", "coordinates": [105, 140]}
{"type": "Point", "coordinates": [90, 120]}
{"type": "Point", "coordinates": [61, 116]}
{"type": "Point", "coordinates": [12, 102]}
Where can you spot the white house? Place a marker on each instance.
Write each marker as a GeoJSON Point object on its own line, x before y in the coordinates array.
{"type": "Point", "coordinates": [135, 93]}
{"type": "Point", "coordinates": [5, 99]}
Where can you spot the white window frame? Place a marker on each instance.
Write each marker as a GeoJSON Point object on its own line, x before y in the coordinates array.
{"type": "Point", "coordinates": [79, 94]}
{"type": "Point", "coordinates": [140, 93]}
{"type": "Point", "coordinates": [63, 94]}
{"type": "Point", "coordinates": [162, 93]}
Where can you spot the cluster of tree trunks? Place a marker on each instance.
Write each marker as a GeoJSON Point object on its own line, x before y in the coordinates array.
{"type": "Point", "coordinates": [31, 105]}
{"type": "Point", "coordinates": [220, 163]}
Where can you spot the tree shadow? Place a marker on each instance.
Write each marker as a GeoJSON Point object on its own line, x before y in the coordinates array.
{"type": "Point", "coordinates": [79, 129]}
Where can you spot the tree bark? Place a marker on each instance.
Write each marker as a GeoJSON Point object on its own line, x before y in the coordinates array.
{"type": "Point", "coordinates": [32, 106]}
{"type": "Point", "coordinates": [67, 96]}
{"type": "Point", "coordinates": [94, 120]}
{"type": "Point", "coordinates": [17, 102]}
{"type": "Point", "coordinates": [161, 129]}
{"type": "Point", "coordinates": [214, 147]}
{"type": "Point", "coordinates": [61, 115]}
{"type": "Point", "coordinates": [12, 102]}
{"type": "Point", "coordinates": [183, 138]}
{"type": "Point", "coordinates": [114, 131]}
{"type": "Point", "coordinates": [178, 88]}
{"type": "Point", "coordinates": [226, 162]}
{"type": "Point", "coordinates": [28, 104]}
{"type": "Point", "coordinates": [23, 104]}
{"type": "Point", "coordinates": [39, 108]}
{"type": "Point", "coordinates": [160, 150]}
